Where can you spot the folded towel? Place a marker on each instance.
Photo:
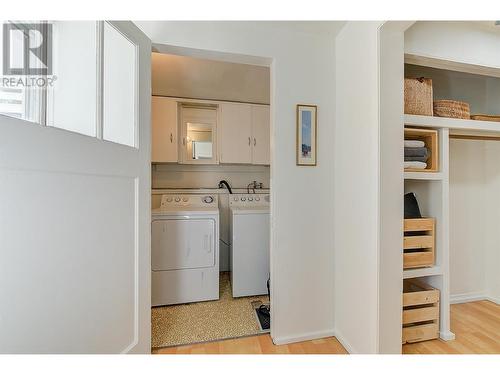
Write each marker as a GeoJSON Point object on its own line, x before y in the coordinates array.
{"type": "Point", "coordinates": [415, 165]}
{"type": "Point", "coordinates": [422, 159]}
{"type": "Point", "coordinates": [416, 151]}
{"type": "Point", "coordinates": [410, 143]}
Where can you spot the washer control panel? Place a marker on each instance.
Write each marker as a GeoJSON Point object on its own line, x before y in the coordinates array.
{"type": "Point", "coordinates": [189, 200]}
{"type": "Point", "coordinates": [249, 200]}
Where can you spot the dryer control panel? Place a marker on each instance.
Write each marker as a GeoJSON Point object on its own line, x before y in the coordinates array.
{"type": "Point", "coordinates": [189, 200]}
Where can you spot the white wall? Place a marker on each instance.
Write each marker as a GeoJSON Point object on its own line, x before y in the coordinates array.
{"type": "Point", "coordinates": [474, 220]}
{"type": "Point", "coordinates": [492, 243]}
{"type": "Point", "coordinates": [476, 42]}
{"type": "Point", "coordinates": [174, 176]}
{"type": "Point", "coordinates": [356, 187]}
{"type": "Point", "coordinates": [302, 200]}
{"type": "Point", "coordinates": [469, 196]}
{"type": "Point", "coordinates": [188, 77]}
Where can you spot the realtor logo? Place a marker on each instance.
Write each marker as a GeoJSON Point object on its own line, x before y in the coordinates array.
{"type": "Point", "coordinates": [27, 49]}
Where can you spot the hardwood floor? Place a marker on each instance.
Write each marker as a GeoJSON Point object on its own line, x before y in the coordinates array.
{"type": "Point", "coordinates": [260, 344]}
{"type": "Point", "coordinates": [476, 326]}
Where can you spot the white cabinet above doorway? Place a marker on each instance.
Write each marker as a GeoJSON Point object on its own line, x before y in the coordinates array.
{"type": "Point", "coordinates": [234, 133]}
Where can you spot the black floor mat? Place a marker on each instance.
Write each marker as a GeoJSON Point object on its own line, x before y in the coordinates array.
{"type": "Point", "coordinates": [264, 318]}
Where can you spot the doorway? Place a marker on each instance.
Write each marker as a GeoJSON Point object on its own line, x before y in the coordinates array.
{"type": "Point", "coordinates": [211, 143]}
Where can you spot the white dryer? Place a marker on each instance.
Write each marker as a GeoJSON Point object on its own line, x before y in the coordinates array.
{"type": "Point", "coordinates": [250, 232]}
{"type": "Point", "coordinates": [185, 249]}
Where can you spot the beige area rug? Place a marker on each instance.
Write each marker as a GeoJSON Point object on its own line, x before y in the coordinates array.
{"type": "Point", "coordinates": [206, 321]}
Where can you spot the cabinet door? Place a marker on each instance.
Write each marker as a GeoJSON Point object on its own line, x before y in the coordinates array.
{"type": "Point", "coordinates": [164, 130]}
{"type": "Point", "coordinates": [261, 134]}
{"type": "Point", "coordinates": [235, 133]}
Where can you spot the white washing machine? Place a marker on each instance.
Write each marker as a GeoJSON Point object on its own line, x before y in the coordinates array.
{"type": "Point", "coordinates": [185, 249]}
{"type": "Point", "coordinates": [250, 232]}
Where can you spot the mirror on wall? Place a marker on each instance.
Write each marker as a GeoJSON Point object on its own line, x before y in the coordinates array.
{"type": "Point", "coordinates": [198, 129]}
{"type": "Point", "coordinates": [199, 141]}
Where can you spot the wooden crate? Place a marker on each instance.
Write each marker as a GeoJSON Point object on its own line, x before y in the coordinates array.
{"type": "Point", "coordinates": [419, 243]}
{"type": "Point", "coordinates": [420, 312]}
{"type": "Point", "coordinates": [430, 138]}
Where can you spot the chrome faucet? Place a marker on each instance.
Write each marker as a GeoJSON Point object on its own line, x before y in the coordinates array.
{"type": "Point", "coordinates": [254, 185]}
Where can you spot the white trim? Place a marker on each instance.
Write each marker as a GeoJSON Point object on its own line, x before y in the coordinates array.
{"type": "Point", "coordinates": [447, 335]}
{"type": "Point", "coordinates": [467, 297]}
{"type": "Point", "coordinates": [347, 346]}
{"type": "Point", "coordinates": [304, 337]}
{"type": "Point", "coordinates": [493, 299]}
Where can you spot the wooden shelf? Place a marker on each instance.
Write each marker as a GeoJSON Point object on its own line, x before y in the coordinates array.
{"type": "Point", "coordinates": [432, 176]}
{"type": "Point", "coordinates": [421, 272]}
{"type": "Point", "coordinates": [470, 126]}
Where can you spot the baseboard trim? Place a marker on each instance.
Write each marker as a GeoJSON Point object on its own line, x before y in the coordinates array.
{"type": "Point", "coordinates": [467, 297]}
{"type": "Point", "coordinates": [347, 346]}
{"type": "Point", "coordinates": [447, 336]}
{"type": "Point", "coordinates": [494, 300]}
{"type": "Point", "coordinates": [304, 337]}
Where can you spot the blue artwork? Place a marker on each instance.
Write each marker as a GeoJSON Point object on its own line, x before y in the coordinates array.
{"type": "Point", "coordinates": [306, 133]}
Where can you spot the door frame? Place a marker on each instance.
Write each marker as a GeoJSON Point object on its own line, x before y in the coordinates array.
{"type": "Point", "coordinates": [248, 60]}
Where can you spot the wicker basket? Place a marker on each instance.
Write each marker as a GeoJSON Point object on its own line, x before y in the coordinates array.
{"type": "Point", "coordinates": [418, 96]}
{"type": "Point", "coordinates": [485, 118]}
{"type": "Point", "coordinates": [451, 108]}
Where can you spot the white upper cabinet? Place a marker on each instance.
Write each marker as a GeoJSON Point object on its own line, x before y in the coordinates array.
{"type": "Point", "coordinates": [261, 134]}
{"type": "Point", "coordinates": [235, 133]}
{"type": "Point", "coordinates": [209, 132]}
{"type": "Point", "coordinates": [164, 130]}
{"type": "Point", "coordinates": [244, 134]}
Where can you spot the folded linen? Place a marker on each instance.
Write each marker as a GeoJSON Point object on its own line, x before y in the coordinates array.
{"type": "Point", "coordinates": [422, 159]}
{"type": "Point", "coordinates": [415, 165]}
{"type": "Point", "coordinates": [412, 143]}
{"type": "Point", "coordinates": [416, 151]}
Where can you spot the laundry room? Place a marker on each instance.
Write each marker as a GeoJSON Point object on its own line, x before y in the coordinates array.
{"type": "Point", "coordinates": [210, 199]}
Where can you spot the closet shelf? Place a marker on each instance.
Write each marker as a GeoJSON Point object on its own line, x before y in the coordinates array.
{"type": "Point", "coordinates": [433, 176]}
{"type": "Point", "coordinates": [470, 126]}
{"type": "Point", "coordinates": [420, 272]}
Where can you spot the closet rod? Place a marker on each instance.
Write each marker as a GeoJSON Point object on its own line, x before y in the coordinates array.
{"type": "Point", "coordinates": [475, 137]}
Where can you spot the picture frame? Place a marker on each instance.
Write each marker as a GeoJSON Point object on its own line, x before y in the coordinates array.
{"type": "Point", "coordinates": [307, 134]}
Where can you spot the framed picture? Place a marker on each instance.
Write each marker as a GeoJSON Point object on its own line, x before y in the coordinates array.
{"type": "Point", "coordinates": [306, 134]}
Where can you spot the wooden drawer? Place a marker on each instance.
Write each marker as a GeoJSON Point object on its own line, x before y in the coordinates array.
{"type": "Point", "coordinates": [419, 225]}
{"type": "Point", "coordinates": [419, 243]}
{"type": "Point", "coordinates": [420, 332]}
{"type": "Point", "coordinates": [420, 311]}
{"type": "Point", "coordinates": [420, 314]}
{"type": "Point", "coordinates": [418, 259]}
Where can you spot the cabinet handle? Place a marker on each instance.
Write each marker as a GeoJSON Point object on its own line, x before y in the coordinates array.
{"type": "Point", "coordinates": [171, 138]}
{"type": "Point", "coordinates": [255, 142]}
{"type": "Point", "coordinates": [249, 141]}
{"type": "Point", "coordinates": [184, 141]}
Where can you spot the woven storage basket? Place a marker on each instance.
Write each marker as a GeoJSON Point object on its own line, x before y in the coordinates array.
{"type": "Point", "coordinates": [418, 96]}
{"type": "Point", "coordinates": [485, 118]}
{"type": "Point", "coordinates": [451, 108]}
